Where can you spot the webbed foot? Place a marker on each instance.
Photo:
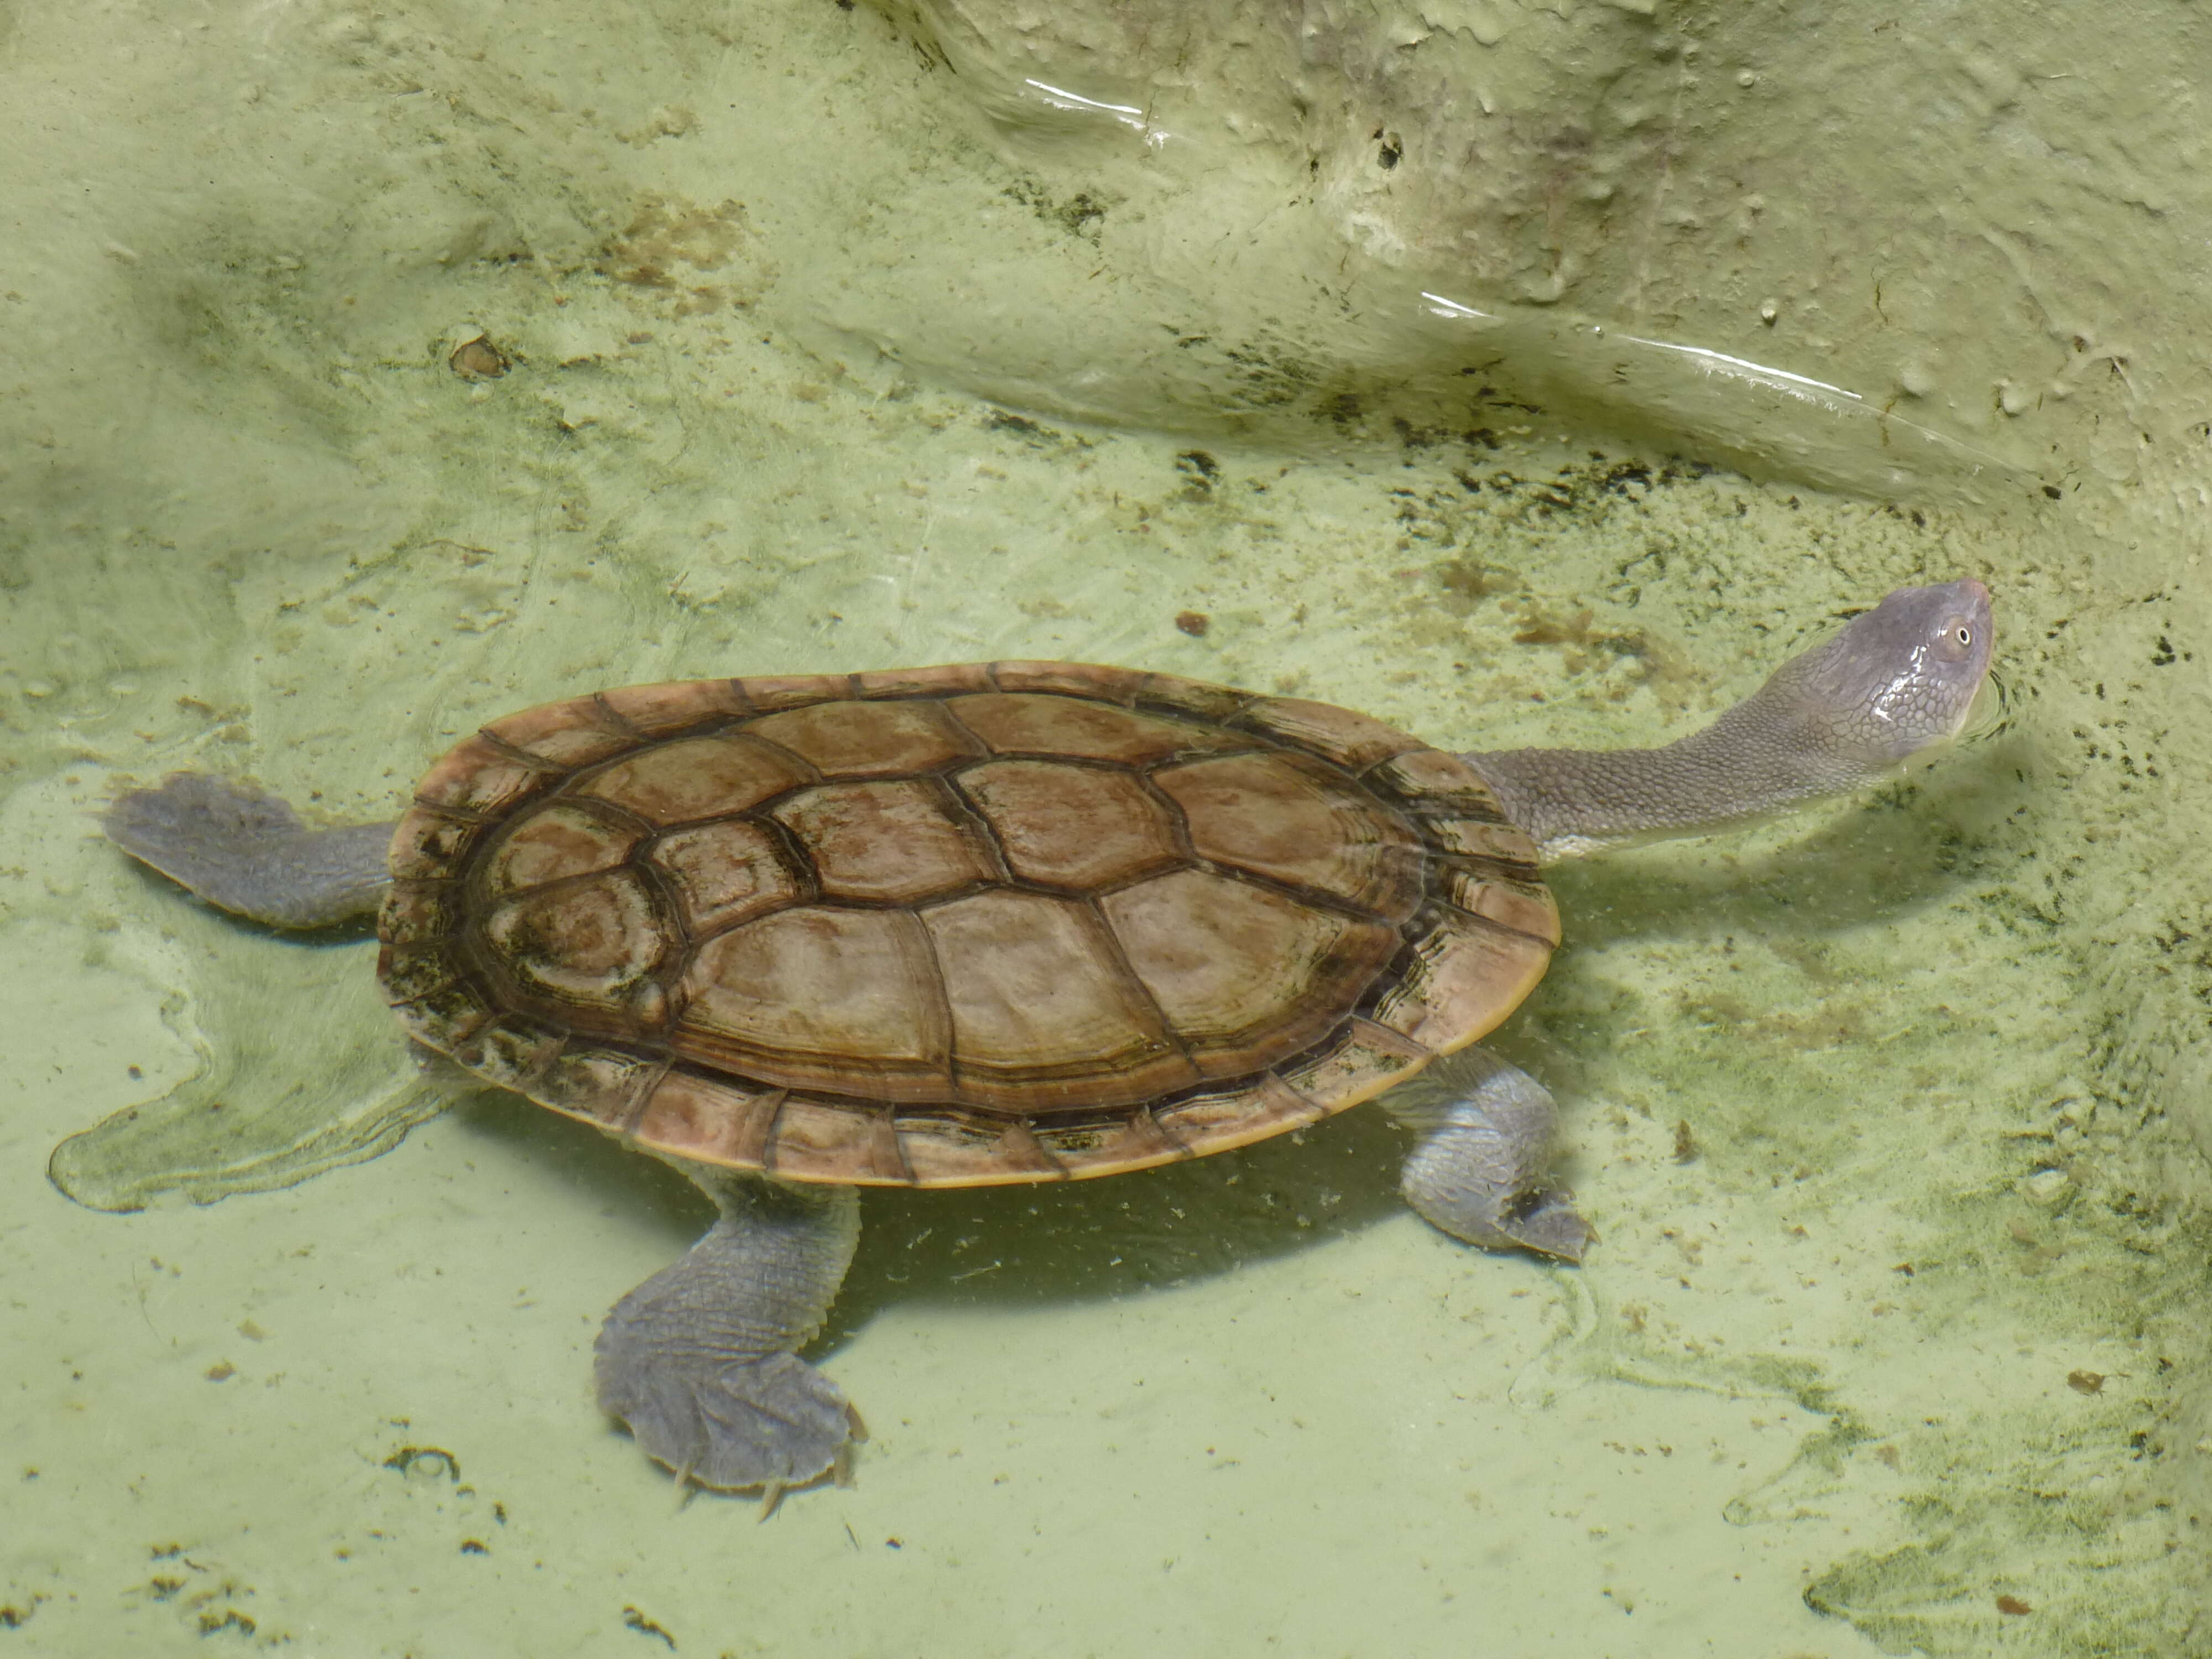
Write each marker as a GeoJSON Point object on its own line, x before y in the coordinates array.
{"type": "Point", "coordinates": [732, 1424]}
{"type": "Point", "coordinates": [700, 1360]}
{"type": "Point", "coordinates": [1482, 1169]}
{"type": "Point", "coordinates": [248, 852]}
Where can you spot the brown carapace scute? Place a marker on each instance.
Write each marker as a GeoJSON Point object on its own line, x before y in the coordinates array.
{"type": "Point", "coordinates": [949, 927]}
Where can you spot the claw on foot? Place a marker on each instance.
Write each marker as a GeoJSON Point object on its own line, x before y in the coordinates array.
{"type": "Point", "coordinates": [1545, 1222]}
{"type": "Point", "coordinates": [1481, 1169]}
{"type": "Point", "coordinates": [770, 1423]}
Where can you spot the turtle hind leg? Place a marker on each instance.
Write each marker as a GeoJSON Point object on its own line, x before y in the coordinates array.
{"type": "Point", "coordinates": [1482, 1169]}
{"type": "Point", "coordinates": [249, 854]}
{"type": "Point", "coordinates": [700, 1360]}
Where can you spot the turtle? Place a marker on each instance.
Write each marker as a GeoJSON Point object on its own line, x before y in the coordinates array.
{"type": "Point", "coordinates": [998, 923]}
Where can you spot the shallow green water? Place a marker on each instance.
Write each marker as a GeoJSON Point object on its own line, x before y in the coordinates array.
{"type": "Point", "coordinates": [845, 339]}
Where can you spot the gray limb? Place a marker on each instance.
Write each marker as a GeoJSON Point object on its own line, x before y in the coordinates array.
{"type": "Point", "coordinates": [1481, 1171]}
{"type": "Point", "coordinates": [249, 854]}
{"type": "Point", "coordinates": [700, 1360]}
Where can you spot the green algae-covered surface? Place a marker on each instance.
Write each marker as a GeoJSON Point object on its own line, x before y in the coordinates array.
{"type": "Point", "coordinates": [1514, 375]}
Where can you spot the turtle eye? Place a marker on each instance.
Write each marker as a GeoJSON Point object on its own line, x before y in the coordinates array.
{"type": "Point", "coordinates": [1955, 639]}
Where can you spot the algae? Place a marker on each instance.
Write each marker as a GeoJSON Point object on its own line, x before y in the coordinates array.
{"type": "Point", "coordinates": [813, 350]}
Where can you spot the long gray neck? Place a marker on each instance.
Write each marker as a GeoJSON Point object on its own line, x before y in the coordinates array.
{"type": "Point", "coordinates": [1756, 759]}
{"type": "Point", "coordinates": [1841, 715]}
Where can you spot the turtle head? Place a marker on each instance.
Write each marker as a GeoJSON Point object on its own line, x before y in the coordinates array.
{"type": "Point", "coordinates": [1897, 679]}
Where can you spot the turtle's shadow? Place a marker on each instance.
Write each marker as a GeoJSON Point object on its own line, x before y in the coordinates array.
{"type": "Point", "coordinates": [1124, 1235]}
{"type": "Point", "coordinates": [1076, 1241]}
{"type": "Point", "coordinates": [1905, 850]}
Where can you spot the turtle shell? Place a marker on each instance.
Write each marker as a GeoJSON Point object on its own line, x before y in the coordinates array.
{"type": "Point", "coordinates": [951, 926]}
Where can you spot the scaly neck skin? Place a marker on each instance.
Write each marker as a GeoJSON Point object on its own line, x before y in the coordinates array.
{"type": "Point", "coordinates": [1837, 717]}
{"type": "Point", "coordinates": [1743, 767]}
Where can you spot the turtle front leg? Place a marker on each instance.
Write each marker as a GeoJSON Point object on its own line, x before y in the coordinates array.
{"type": "Point", "coordinates": [1481, 1171]}
{"type": "Point", "coordinates": [249, 854]}
{"type": "Point", "coordinates": [701, 1360]}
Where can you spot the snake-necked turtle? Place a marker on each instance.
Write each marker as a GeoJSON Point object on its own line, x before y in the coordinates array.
{"type": "Point", "coordinates": [1004, 922]}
